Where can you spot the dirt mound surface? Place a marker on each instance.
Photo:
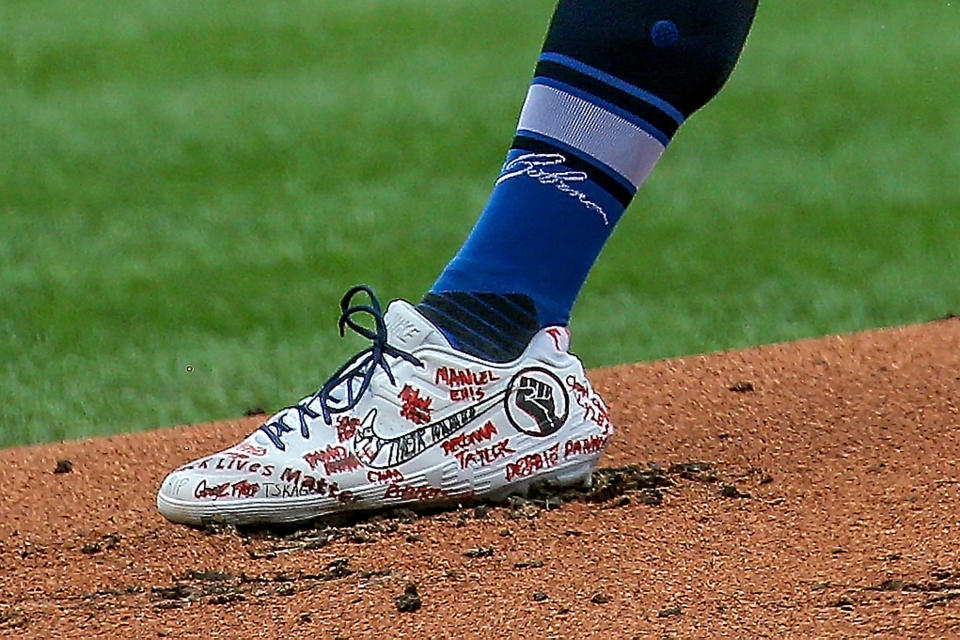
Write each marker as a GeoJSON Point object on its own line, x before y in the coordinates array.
{"type": "Point", "coordinates": [799, 490]}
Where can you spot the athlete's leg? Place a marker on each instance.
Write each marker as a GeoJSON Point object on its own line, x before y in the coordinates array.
{"type": "Point", "coordinates": [614, 82]}
{"type": "Point", "coordinates": [417, 417]}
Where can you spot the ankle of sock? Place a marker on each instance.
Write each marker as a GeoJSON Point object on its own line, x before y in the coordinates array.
{"type": "Point", "coordinates": [492, 326]}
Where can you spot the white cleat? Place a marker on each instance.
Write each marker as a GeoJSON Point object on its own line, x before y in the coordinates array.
{"type": "Point", "coordinates": [409, 421]}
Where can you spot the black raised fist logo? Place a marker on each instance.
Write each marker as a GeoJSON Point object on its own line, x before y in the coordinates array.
{"type": "Point", "coordinates": [535, 398]}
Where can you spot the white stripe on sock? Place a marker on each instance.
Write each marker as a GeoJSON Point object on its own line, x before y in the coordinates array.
{"type": "Point", "coordinates": [621, 145]}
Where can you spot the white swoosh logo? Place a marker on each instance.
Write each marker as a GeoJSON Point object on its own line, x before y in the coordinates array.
{"type": "Point", "coordinates": [381, 453]}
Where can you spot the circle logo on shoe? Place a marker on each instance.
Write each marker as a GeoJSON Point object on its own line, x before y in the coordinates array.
{"type": "Point", "coordinates": [536, 402]}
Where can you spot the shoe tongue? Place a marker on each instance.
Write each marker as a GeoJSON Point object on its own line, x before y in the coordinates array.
{"type": "Point", "coordinates": [407, 329]}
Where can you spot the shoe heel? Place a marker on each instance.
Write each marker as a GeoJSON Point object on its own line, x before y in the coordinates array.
{"type": "Point", "coordinates": [577, 475]}
{"type": "Point", "coordinates": [580, 475]}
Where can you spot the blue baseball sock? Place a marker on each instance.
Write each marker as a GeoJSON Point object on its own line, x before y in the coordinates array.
{"type": "Point", "coordinates": [614, 82]}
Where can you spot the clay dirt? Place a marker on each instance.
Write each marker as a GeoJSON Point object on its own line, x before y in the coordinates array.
{"type": "Point", "coordinates": [803, 490]}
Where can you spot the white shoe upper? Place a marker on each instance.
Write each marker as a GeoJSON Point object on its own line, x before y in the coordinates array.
{"type": "Point", "coordinates": [448, 427]}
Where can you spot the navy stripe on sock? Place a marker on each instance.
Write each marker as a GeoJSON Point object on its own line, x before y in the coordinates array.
{"type": "Point", "coordinates": [614, 81]}
{"type": "Point", "coordinates": [604, 180]}
{"type": "Point", "coordinates": [505, 313]}
{"type": "Point", "coordinates": [480, 327]}
{"type": "Point", "coordinates": [632, 104]}
{"type": "Point", "coordinates": [495, 327]}
{"type": "Point", "coordinates": [462, 337]}
{"type": "Point", "coordinates": [490, 322]}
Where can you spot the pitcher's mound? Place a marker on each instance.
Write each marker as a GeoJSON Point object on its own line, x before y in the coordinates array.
{"type": "Point", "coordinates": [801, 490]}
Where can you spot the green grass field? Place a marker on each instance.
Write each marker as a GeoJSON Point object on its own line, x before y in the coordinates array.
{"type": "Point", "coordinates": [194, 184]}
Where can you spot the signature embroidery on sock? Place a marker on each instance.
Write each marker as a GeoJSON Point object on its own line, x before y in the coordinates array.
{"type": "Point", "coordinates": [538, 166]}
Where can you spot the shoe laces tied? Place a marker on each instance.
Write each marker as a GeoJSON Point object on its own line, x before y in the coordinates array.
{"type": "Point", "coordinates": [353, 378]}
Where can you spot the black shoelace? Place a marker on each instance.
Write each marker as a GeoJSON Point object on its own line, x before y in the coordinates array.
{"type": "Point", "coordinates": [359, 368]}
